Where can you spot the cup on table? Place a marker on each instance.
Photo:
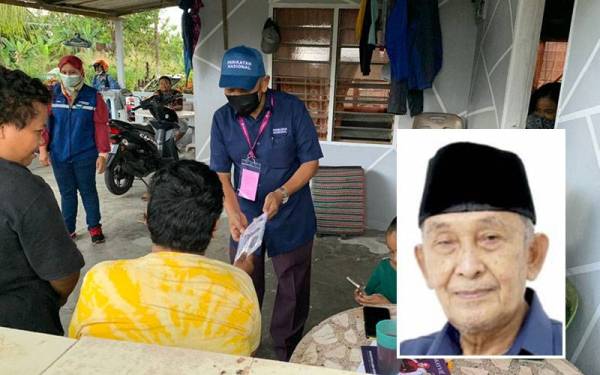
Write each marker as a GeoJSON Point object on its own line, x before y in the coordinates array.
{"type": "Point", "coordinates": [386, 347]}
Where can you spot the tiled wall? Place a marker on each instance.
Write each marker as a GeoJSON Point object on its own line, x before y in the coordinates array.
{"type": "Point", "coordinates": [579, 114]}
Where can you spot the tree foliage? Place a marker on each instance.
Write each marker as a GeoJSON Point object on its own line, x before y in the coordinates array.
{"type": "Point", "coordinates": [12, 22]}
{"type": "Point", "coordinates": [33, 42]}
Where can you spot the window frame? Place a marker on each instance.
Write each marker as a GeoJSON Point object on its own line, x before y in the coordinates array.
{"type": "Point", "coordinates": [333, 71]}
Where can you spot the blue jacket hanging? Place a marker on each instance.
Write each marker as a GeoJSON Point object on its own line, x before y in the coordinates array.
{"type": "Point", "coordinates": [396, 39]}
{"type": "Point", "coordinates": [424, 43]}
{"type": "Point", "coordinates": [414, 47]}
{"type": "Point", "coordinates": [190, 30]}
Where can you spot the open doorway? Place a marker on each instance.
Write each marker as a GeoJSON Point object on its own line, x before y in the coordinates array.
{"type": "Point", "coordinates": [540, 49]}
{"type": "Point", "coordinates": [549, 64]}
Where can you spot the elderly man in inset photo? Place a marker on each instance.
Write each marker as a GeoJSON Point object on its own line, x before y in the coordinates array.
{"type": "Point", "coordinates": [478, 251]}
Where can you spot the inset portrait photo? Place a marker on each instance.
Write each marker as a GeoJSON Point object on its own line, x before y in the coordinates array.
{"type": "Point", "coordinates": [481, 243]}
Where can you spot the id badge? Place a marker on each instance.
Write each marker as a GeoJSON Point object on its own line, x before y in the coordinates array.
{"type": "Point", "coordinates": [249, 179]}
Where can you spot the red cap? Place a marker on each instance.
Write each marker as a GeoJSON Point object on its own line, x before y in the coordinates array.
{"type": "Point", "coordinates": [73, 60]}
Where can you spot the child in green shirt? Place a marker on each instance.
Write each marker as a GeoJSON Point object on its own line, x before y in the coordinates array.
{"type": "Point", "coordinates": [381, 288]}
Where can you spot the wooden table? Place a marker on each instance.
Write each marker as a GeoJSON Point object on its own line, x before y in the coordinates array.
{"type": "Point", "coordinates": [336, 341]}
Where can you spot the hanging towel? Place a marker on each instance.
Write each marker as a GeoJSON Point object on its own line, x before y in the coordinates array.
{"type": "Point", "coordinates": [365, 48]}
{"type": "Point", "coordinates": [360, 19]}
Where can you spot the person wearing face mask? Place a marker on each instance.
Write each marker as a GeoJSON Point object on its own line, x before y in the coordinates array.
{"type": "Point", "coordinates": [77, 143]}
{"type": "Point", "coordinates": [270, 140]}
{"type": "Point", "coordinates": [103, 80]}
{"type": "Point", "coordinates": [543, 106]}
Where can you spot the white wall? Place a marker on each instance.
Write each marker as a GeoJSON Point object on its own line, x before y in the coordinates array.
{"type": "Point", "coordinates": [491, 65]}
{"type": "Point", "coordinates": [579, 114]}
{"type": "Point", "coordinates": [245, 21]}
{"type": "Point", "coordinates": [450, 93]}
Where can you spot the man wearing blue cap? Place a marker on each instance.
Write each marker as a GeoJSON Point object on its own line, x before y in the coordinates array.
{"type": "Point", "coordinates": [271, 141]}
{"type": "Point", "coordinates": [479, 250]}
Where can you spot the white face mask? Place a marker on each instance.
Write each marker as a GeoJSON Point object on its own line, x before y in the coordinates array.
{"type": "Point", "coordinates": [70, 81]}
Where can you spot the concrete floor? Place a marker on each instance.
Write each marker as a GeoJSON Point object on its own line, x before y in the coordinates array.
{"type": "Point", "coordinates": [126, 237]}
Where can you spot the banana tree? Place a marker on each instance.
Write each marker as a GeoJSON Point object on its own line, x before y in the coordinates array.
{"type": "Point", "coordinates": [13, 21]}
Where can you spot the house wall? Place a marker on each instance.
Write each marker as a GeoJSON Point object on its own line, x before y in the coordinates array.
{"type": "Point", "coordinates": [495, 38]}
{"type": "Point", "coordinates": [579, 114]}
{"type": "Point", "coordinates": [450, 92]}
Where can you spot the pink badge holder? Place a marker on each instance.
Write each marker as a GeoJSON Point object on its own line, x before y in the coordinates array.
{"type": "Point", "coordinates": [249, 179]}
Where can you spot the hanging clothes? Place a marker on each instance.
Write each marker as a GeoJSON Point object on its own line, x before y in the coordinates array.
{"type": "Point", "coordinates": [360, 19]}
{"type": "Point", "coordinates": [400, 94]}
{"type": "Point", "coordinates": [397, 40]}
{"type": "Point", "coordinates": [190, 31]}
{"type": "Point", "coordinates": [373, 27]}
{"type": "Point", "coordinates": [368, 36]}
{"type": "Point", "coordinates": [425, 43]}
{"type": "Point", "coordinates": [384, 13]}
{"type": "Point", "coordinates": [414, 46]}
{"type": "Point", "coordinates": [365, 48]}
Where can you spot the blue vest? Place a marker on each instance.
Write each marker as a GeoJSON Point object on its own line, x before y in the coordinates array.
{"type": "Point", "coordinates": [72, 130]}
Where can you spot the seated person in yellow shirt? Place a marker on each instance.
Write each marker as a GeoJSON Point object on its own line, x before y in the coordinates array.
{"type": "Point", "coordinates": [174, 296]}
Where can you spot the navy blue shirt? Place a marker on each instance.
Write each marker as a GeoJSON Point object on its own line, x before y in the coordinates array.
{"type": "Point", "coordinates": [289, 140]}
{"type": "Point", "coordinates": [539, 335]}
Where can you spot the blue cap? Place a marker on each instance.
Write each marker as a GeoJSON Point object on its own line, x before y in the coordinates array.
{"type": "Point", "coordinates": [241, 68]}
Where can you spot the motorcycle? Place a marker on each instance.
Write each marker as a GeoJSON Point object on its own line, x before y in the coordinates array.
{"type": "Point", "coordinates": [138, 150]}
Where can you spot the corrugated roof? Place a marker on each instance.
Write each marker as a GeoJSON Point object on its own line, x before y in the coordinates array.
{"type": "Point", "coordinates": [94, 8]}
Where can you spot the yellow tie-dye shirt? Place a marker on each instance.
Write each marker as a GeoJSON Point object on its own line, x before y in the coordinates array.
{"type": "Point", "coordinates": [170, 298]}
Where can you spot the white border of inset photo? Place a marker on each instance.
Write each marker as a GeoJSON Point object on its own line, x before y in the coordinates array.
{"type": "Point", "coordinates": [543, 154]}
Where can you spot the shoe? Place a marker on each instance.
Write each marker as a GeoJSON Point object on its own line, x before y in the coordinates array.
{"type": "Point", "coordinates": [97, 235]}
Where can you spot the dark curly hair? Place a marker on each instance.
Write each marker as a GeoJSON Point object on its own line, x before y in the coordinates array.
{"type": "Point", "coordinates": [18, 92]}
{"type": "Point", "coordinates": [186, 200]}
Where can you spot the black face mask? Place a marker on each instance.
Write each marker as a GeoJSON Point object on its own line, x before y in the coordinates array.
{"type": "Point", "coordinates": [244, 105]}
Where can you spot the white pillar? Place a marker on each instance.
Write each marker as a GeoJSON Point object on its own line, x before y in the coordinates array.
{"type": "Point", "coordinates": [120, 52]}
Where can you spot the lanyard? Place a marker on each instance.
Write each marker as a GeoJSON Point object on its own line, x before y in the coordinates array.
{"type": "Point", "coordinates": [263, 126]}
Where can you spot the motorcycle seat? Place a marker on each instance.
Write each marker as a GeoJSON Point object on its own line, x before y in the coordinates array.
{"type": "Point", "coordinates": [145, 128]}
{"type": "Point", "coordinates": [130, 125]}
{"type": "Point", "coordinates": [164, 125]}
